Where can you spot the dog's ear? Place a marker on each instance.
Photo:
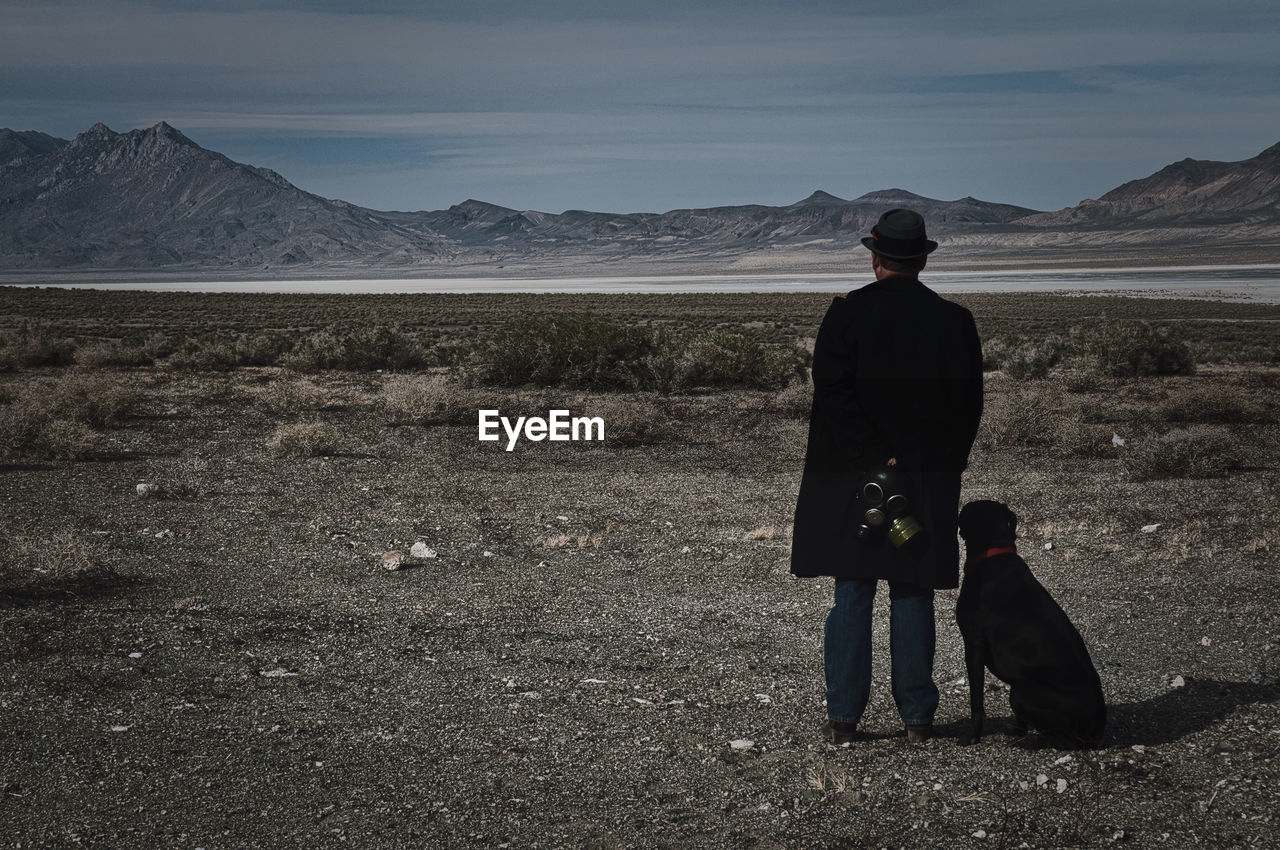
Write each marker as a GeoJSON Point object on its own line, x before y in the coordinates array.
{"type": "Point", "coordinates": [1013, 522]}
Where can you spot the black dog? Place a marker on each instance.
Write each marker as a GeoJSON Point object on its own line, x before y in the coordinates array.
{"type": "Point", "coordinates": [1013, 626]}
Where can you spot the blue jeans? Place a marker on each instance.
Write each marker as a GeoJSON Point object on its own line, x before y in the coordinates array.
{"type": "Point", "coordinates": [847, 651]}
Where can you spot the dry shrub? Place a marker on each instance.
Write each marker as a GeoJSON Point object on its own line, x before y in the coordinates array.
{"type": "Point", "coordinates": [425, 400]}
{"type": "Point", "coordinates": [1200, 451]}
{"type": "Point", "coordinates": [96, 400]}
{"type": "Point", "coordinates": [203, 356]}
{"type": "Point", "coordinates": [722, 359]}
{"type": "Point", "coordinates": [634, 420]}
{"type": "Point", "coordinates": [358, 350]}
{"type": "Point", "coordinates": [1024, 416]}
{"type": "Point", "coordinates": [29, 564]}
{"type": "Point", "coordinates": [292, 394]}
{"type": "Point", "coordinates": [305, 439]}
{"type": "Point", "coordinates": [1223, 405]}
{"type": "Point", "coordinates": [264, 348]}
{"type": "Point", "coordinates": [1033, 360]}
{"type": "Point", "coordinates": [112, 354]}
{"type": "Point", "coordinates": [571, 350]}
{"type": "Point", "coordinates": [35, 433]}
{"type": "Point", "coordinates": [35, 345]}
{"type": "Point", "coordinates": [795, 400]}
{"type": "Point", "coordinates": [1137, 349]}
{"type": "Point", "coordinates": [1073, 436]}
{"type": "Point", "coordinates": [55, 422]}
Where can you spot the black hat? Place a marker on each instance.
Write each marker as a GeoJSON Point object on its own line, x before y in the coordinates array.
{"type": "Point", "coordinates": [899, 235]}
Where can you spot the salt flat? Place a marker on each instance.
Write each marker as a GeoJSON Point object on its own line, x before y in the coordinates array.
{"type": "Point", "coordinates": [1257, 283]}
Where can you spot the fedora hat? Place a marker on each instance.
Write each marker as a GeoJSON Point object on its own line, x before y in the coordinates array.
{"type": "Point", "coordinates": [899, 235]}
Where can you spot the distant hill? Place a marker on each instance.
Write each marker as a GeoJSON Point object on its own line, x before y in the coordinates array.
{"type": "Point", "coordinates": [1189, 192]}
{"type": "Point", "coordinates": [154, 199]}
{"type": "Point", "coordinates": [16, 145]}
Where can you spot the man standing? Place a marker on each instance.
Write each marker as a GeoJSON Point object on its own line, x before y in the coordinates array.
{"type": "Point", "coordinates": [897, 385]}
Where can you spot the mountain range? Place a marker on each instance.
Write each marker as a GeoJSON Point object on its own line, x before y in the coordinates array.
{"type": "Point", "coordinates": [152, 199]}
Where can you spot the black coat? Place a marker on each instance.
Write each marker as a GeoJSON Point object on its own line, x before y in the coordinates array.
{"type": "Point", "coordinates": [897, 372]}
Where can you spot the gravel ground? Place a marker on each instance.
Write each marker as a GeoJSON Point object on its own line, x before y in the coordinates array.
{"type": "Point", "coordinates": [607, 651]}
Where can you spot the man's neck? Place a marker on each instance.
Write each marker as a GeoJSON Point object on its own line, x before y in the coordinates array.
{"type": "Point", "coordinates": [881, 274]}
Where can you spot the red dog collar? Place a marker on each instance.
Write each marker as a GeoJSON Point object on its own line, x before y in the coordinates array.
{"type": "Point", "coordinates": [990, 553]}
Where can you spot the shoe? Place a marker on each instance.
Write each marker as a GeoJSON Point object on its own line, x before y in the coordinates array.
{"type": "Point", "coordinates": [839, 732]}
{"type": "Point", "coordinates": [919, 734]}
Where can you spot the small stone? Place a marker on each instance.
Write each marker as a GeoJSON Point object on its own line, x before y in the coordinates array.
{"type": "Point", "coordinates": [1139, 748]}
{"type": "Point", "coordinates": [982, 833]}
{"type": "Point", "coordinates": [392, 560]}
{"type": "Point", "coordinates": [1062, 785]}
{"type": "Point", "coordinates": [135, 654]}
{"type": "Point", "coordinates": [1062, 760]}
{"type": "Point", "coordinates": [421, 550]}
{"type": "Point", "coordinates": [1048, 547]}
{"type": "Point", "coordinates": [144, 489]}
{"type": "Point", "coordinates": [765, 699]}
{"type": "Point", "coordinates": [1205, 641]}
{"type": "Point", "coordinates": [488, 554]}
{"type": "Point", "coordinates": [741, 744]}
{"type": "Point", "coordinates": [1116, 439]}
{"type": "Point", "coordinates": [1178, 682]}
{"type": "Point", "coordinates": [119, 728]}
{"type": "Point", "coordinates": [1147, 529]}
{"type": "Point", "coordinates": [1041, 779]}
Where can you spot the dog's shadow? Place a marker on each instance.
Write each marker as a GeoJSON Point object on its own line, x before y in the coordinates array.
{"type": "Point", "coordinates": [1180, 712]}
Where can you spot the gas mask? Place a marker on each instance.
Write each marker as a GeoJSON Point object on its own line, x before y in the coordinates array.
{"type": "Point", "coordinates": [884, 503]}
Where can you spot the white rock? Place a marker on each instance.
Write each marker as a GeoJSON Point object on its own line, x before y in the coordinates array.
{"type": "Point", "coordinates": [593, 682]}
{"type": "Point", "coordinates": [1062, 785]}
{"type": "Point", "coordinates": [1062, 760]}
{"type": "Point", "coordinates": [488, 554]}
{"type": "Point", "coordinates": [982, 833]}
{"type": "Point", "coordinates": [685, 551]}
{"type": "Point", "coordinates": [764, 698]}
{"type": "Point", "coordinates": [392, 560]}
{"type": "Point", "coordinates": [1139, 748]}
{"type": "Point", "coordinates": [531, 695]}
{"type": "Point", "coordinates": [119, 728]}
{"type": "Point", "coordinates": [421, 550]}
{"type": "Point", "coordinates": [145, 489]}
{"type": "Point", "coordinates": [1205, 641]}
{"type": "Point", "coordinates": [1147, 529]}
{"type": "Point", "coordinates": [278, 673]}
{"type": "Point", "coordinates": [642, 701]}
{"type": "Point", "coordinates": [135, 654]}
{"type": "Point", "coordinates": [562, 518]}
{"type": "Point", "coordinates": [741, 744]}
{"type": "Point", "coordinates": [1041, 779]}
{"type": "Point", "coordinates": [1048, 547]}
{"type": "Point", "coordinates": [1178, 682]}
{"type": "Point", "coordinates": [1116, 439]}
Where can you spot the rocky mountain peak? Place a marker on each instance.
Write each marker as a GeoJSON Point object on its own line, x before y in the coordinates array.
{"type": "Point", "coordinates": [1271, 153]}
{"type": "Point", "coordinates": [821, 197]}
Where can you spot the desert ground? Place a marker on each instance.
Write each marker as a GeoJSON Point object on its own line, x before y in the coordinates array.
{"type": "Point", "coordinates": [598, 644]}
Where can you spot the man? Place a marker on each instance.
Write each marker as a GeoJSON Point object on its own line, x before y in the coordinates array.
{"type": "Point", "coordinates": [897, 384]}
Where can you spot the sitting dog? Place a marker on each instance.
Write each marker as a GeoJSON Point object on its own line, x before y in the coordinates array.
{"type": "Point", "coordinates": [1013, 627]}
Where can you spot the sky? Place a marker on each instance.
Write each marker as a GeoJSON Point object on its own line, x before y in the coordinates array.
{"type": "Point", "coordinates": [653, 105]}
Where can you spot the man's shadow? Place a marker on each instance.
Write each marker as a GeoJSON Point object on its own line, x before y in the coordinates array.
{"type": "Point", "coordinates": [1180, 712]}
